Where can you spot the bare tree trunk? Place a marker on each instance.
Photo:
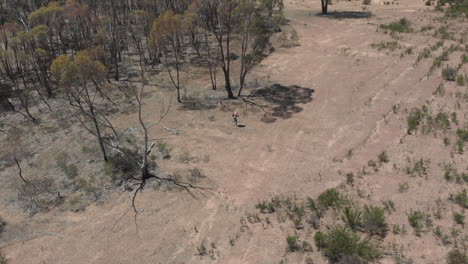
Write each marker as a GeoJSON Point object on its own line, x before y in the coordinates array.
{"type": "Point", "coordinates": [324, 7]}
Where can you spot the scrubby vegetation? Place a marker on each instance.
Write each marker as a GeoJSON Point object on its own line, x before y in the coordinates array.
{"type": "Point", "coordinates": [400, 26]}
{"type": "Point", "coordinates": [342, 245]}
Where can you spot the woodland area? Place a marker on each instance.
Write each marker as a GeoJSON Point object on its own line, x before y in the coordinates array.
{"type": "Point", "coordinates": [70, 54]}
{"type": "Point", "coordinates": [74, 49]}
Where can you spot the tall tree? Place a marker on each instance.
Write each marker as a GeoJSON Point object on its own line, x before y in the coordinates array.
{"type": "Point", "coordinates": [83, 79]}
{"type": "Point", "coordinates": [165, 38]}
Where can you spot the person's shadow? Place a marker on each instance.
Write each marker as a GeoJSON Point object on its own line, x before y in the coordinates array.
{"type": "Point", "coordinates": [240, 125]}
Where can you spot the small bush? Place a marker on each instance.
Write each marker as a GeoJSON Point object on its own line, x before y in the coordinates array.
{"type": "Point", "coordinates": [164, 150]}
{"type": "Point", "coordinates": [341, 244]}
{"type": "Point", "coordinates": [464, 58]}
{"type": "Point", "coordinates": [122, 168]}
{"type": "Point", "coordinates": [266, 207]}
{"type": "Point", "coordinates": [320, 240]}
{"type": "Point", "coordinates": [403, 187]}
{"type": "Point", "coordinates": [456, 256]}
{"type": "Point", "coordinates": [350, 178]}
{"type": "Point", "coordinates": [352, 218]}
{"type": "Point", "coordinates": [293, 244]}
{"type": "Point", "coordinates": [195, 175]}
{"type": "Point", "coordinates": [459, 218]}
{"type": "Point", "coordinates": [440, 90]}
{"type": "Point", "coordinates": [461, 80]}
{"type": "Point", "coordinates": [423, 54]}
{"type": "Point", "coordinates": [306, 247]}
{"type": "Point", "coordinates": [386, 45]}
{"type": "Point", "coordinates": [414, 120]}
{"type": "Point", "coordinates": [366, 2]}
{"type": "Point", "coordinates": [418, 168]}
{"type": "Point", "coordinates": [462, 137]}
{"type": "Point", "coordinates": [460, 198]}
{"type": "Point", "coordinates": [373, 221]}
{"type": "Point", "coordinates": [401, 26]}
{"type": "Point", "coordinates": [383, 157]}
{"type": "Point", "coordinates": [419, 220]}
{"type": "Point", "coordinates": [330, 198]}
{"type": "Point", "coordinates": [438, 61]}
{"type": "Point", "coordinates": [192, 103]}
{"type": "Point", "coordinates": [449, 73]}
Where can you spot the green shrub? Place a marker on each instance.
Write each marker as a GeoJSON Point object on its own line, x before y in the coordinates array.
{"type": "Point", "coordinates": [306, 247]}
{"type": "Point", "coordinates": [459, 218]}
{"type": "Point", "coordinates": [414, 120]}
{"type": "Point", "coordinates": [423, 54]}
{"type": "Point", "coordinates": [457, 8]}
{"type": "Point", "coordinates": [401, 26]}
{"type": "Point", "coordinates": [352, 218]}
{"type": "Point", "coordinates": [443, 33]}
{"type": "Point", "coordinates": [461, 80]}
{"type": "Point", "coordinates": [266, 207]}
{"type": "Point", "coordinates": [293, 244]}
{"type": "Point", "coordinates": [366, 2]}
{"type": "Point", "coordinates": [440, 90]}
{"type": "Point", "coordinates": [464, 58]}
{"type": "Point", "coordinates": [462, 134]}
{"type": "Point", "coordinates": [341, 244]}
{"type": "Point", "coordinates": [330, 198]}
{"type": "Point", "coordinates": [122, 168]}
{"type": "Point", "coordinates": [462, 137]}
{"type": "Point", "coordinates": [383, 157]}
{"type": "Point", "coordinates": [386, 45]}
{"type": "Point", "coordinates": [449, 73]}
{"type": "Point", "coordinates": [373, 221]}
{"type": "Point", "coordinates": [456, 256]}
{"type": "Point", "coordinates": [438, 61]}
{"type": "Point", "coordinates": [320, 240]}
{"type": "Point", "coordinates": [460, 198]}
{"type": "Point", "coordinates": [419, 168]}
{"type": "Point", "coordinates": [419, 220]}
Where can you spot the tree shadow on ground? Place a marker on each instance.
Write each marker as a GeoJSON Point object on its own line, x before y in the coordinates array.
{"type": "Point", "coordinates": [347, 14]}
{"type": "Point", "coordinates": [283, 100]}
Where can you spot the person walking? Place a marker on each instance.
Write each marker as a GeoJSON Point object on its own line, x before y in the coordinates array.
{"type": "Point", "coordinates": [235, 115]}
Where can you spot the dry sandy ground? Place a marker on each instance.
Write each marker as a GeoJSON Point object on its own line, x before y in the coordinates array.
{"type": "Point", "coordinates": [354, 88]}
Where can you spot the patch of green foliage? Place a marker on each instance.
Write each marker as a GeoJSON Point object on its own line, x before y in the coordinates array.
{"type": "Point", "coordinates": [462, 137]}
{"type": "Point", "coordinates": [341, 245]}
{"type": "Point", "coordinates": [449, 73]}
{"type": "Point", "coordinates": [330, 198]}
{"type": "Point", "coordinates": [386, 45]}
{"type": "Point", "coordinates": [400, 26]}
{"type": "Point", "coordinates": [419, 221]}
{"type": "Point", "coordinates": [457, 256]}
{"type": "Point", "coordinates": [460, 198]}
{"type": "Point", "coordinates": [373, 221]}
